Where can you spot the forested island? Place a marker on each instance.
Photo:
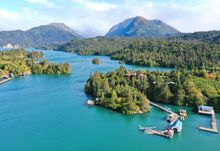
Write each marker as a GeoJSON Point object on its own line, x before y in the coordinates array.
{"type": "Point", "coordinates": [21, 62]}
{"type": "Point", "coordinates": [129, 92]}
{"type": "Point", "coordinates": [96, 61]}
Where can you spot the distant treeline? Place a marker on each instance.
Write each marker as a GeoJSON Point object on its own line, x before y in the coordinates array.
{"type": "Point", "coordinates": [175, 52]}
{"type": "Point", "coordinates": [212, 37]}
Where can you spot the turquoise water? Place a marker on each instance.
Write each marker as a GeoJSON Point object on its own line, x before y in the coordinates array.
{"type": "Point", "coordinates": [48, 113]}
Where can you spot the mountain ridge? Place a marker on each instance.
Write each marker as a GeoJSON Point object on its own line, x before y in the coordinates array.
{"type": "Point", "coordinates": [141, 27]}
{"type": "Point", "coordinates": [50, 34]}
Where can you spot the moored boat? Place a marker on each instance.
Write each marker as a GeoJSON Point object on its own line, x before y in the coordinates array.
{"type": "Point", "coordinates": [183, 113]}
{"type": "Point", "coordinates": [172, 117]}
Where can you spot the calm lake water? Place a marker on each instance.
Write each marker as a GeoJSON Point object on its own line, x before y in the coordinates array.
{"type": "Point", "coordinates": [48, 113]}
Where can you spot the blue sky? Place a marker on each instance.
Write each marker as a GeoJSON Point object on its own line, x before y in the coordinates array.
{"type": "Point", "coordinates": [95, 17]}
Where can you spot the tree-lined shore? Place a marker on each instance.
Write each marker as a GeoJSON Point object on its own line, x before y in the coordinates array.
{"type": "Point", "coordinates": [129, 92]}
{"type": "Point", "coordinates": [21, 62]}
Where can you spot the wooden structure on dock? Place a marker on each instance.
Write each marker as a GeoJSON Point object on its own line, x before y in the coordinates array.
{"type": "Point", "coordinates": [210, 111]}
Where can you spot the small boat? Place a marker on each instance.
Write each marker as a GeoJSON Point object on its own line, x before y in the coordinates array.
{"type": "Point", "coordinates": [11, 75]}
{"type": "Point", "coordinates": [183, 113]}
{"type": "Point", "coordinates": [90, 102]}
{"type": "Point", "coordinates": [168, 109]}
{"type": "Point", "coordinates": [172, 117]}
{"type": "Point", "coordinates": [147, 130]}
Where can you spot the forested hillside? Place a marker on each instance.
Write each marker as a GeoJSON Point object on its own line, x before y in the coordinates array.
{"type": "Point", "coordinates": [151, 52]}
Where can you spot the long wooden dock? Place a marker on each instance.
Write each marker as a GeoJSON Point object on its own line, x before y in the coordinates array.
{"type": "Point", "coordinates": [214, 127]}
{"type": "Point", "coordinates": [163, 108]}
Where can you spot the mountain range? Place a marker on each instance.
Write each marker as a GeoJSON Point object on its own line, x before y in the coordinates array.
{"type": "Point", "coordinates": [142, 27]}
{"type": "Point", "coordinates": [54, 33]}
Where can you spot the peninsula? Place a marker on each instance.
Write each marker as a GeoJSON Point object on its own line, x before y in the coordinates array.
{"type": "Point", "coordinates": [19, 62]}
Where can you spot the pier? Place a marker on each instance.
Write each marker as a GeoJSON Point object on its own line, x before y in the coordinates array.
{"type": "Point", "coordinates": [182, 115]}
{"type": "Point", "coordinates": [164, 109]}
{"type": "Point", "coordinates": [175, 125]}
{"type": "Point", "coordinates": [210, 111]}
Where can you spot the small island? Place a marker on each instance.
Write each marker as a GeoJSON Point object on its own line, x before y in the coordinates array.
{"type": "Point", "coordinates": [129, 92]}
{"type": "Point", "coordinates": [96, 61]}
{"type": "Point", "coordinates": [121, 62]}
{"type": "Point", "coordinates": [20, 62]}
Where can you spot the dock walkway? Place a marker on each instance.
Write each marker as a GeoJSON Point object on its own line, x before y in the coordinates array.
{"type": "Point", "coordinates": [163, 108]}
{"type": "Point", "coordinates": [214, 127]}
{"type": "Point", "coordinates": [156, 132]}
{"type": "Point", "coordinates": [161, 133]}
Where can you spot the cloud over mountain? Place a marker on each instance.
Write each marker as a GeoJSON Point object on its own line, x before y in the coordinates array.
{"type": "Point", "coordinates": [185, 15]}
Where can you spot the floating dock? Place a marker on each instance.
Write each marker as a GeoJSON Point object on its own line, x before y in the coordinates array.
{"type": "Point", "coordinates": [175, 124]}
{"type": "Point", "coordinates": [3, 80]}
{"type": "Point", "coordinates": [210, 111]}
{"type": "Point", "coordinates": [149, 130]}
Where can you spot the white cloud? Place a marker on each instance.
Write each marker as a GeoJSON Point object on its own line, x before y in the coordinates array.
{"type": "Point", "coordinates": [149, 4]}
{"type": "Point", "coordinates": [8, 19]}
{"type": "Point", "coordinates": [96, 6]}
{"type": "Point", "coordinates": [99, 16]}
{"type": "Point", "coordinates": [200, 16]}
{"type": "Point", "coordinates": [100, 7]}
{"type": "Point", "coordinates": [46, 3]}
{"type": "Point", "coordinates": [7, 14]}
{"type": "Point", "coordinates": [23, 20]}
